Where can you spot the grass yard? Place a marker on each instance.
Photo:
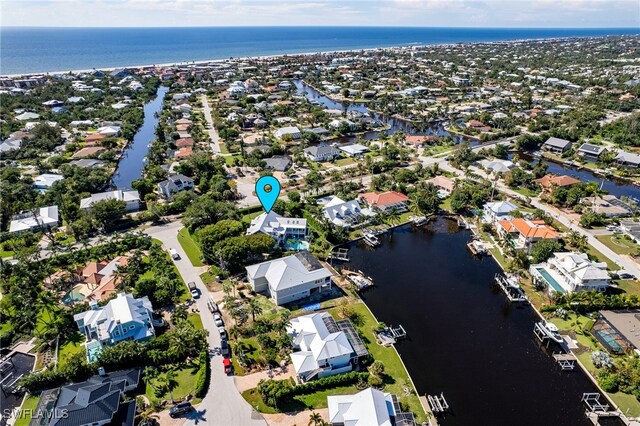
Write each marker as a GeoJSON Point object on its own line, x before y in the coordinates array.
{"type": "Point", "coordinates": [619, 244]}
{"type": "Point", "coordinates": [446, 205]}
{"type": "Point", "coordinates": [344, 162]}
{"type": "Point", "coordinates": [186, 378]}
{"type": "Point", "coordinates": [247, 218]}
{"type": "Point", "coordinates": [253, 398]}
{"type": "Point", "coordinates": [190, 247]}
{"type": "Point", "coordinates": [195, 320]}
{"type": "Point", "coordinates": [526, 192]}
{"type": "Point", "coordinates": [629, 286]}
{"type": "Point", "coordinates": [28, 406]}
{"type": "Point", "coordinates": [70, 348]}
{"type": "Point", "coordinates": [209, 279]}
{"type": "Point", "coordinates": [592, 252]}
{"type": "Point", "coordinates": [628, 404]}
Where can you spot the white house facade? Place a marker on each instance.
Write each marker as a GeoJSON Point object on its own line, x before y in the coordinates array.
{"type": "Point", "coordinates": [569, 272]}
{"type": "Point", "coordinates": [279, 227]}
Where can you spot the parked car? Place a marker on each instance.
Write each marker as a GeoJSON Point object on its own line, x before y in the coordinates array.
{"type": "Point", "coordinates": [174, 254]}
{"type": "Point", "coordinates": [223, 332]}
{"type": "Point", "coordinates": [218, 320]}
{"type": "Point", "coordinates": [193, 289]}
{"type": "Point", "coordinates": [228, 367]}
{"type": "Point", "coordinates": [212, 306]}
{"type": "Point", "coordinates": [224, 347]}
{"type": "Point", "coordinates": [180, 409]}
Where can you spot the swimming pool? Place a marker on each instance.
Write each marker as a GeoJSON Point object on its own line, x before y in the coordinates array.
{"type": "Point", "coordinates": [550, 280]}
{"type": "Point", "coordinates": [73, 296]}
{"type": "Point", "coordinates": [296, 245]}
{"type": "Point", "coordinates": [94, 349]}
{"type": "Point", "coordinates": [609, 338]}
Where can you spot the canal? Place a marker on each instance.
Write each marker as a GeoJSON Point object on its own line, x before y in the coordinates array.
{"type": "Point", "coordinates": [133, 160]}
{"type": "Point", "coordinates": [464, 338]}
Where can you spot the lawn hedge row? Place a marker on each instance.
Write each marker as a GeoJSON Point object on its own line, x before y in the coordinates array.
{"type": "Point", "coordinates": [203, 375]}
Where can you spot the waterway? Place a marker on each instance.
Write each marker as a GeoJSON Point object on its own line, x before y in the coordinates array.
{"type": "Point", "coordinates": [133, 160]}
{"type": "Point", "coordinates": [464, 338]}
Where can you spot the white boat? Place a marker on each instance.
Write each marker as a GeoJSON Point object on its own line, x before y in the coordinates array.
{"type": "Point", "coordinates": [551, 330]}
{"type": "Point", "coordinates": [418, 220]}
{"type": "Point", "coordinates": [371, 239]}
{"type": "Point", "coordinates": [360, 281]}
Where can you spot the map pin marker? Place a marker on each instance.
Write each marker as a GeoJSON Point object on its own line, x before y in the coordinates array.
{"type": "Point", "coordinates": [267, 189]}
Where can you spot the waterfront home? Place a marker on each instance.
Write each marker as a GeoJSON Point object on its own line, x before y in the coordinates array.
{"type": "Point", "coordinates": [590, 152]}
{"type": "Point", "coordinates": [321, 346]}
{"type": "Point", "coordinates": [498, 210]}
{"type": "Point", "coordinates": [631, 228]}
{"type": "Point", "coordinates": [289, 278]}
{"type": "Point", "coordinates": [89, 152]}
{"type": "Point", "coordinates": [556, 145]}
{"type": "Point", "coordinates": [321, 153]}
{"type": "Point", "coordinates": [45, 181]}
{"type": "Point", "coordinates": [386, 201]}
{"type": "Point", "coordinates": [370, 407]}
{"type": "Point", "coordinates": [549, 181]}
{"type": "Point", "coordinates": [354, 150]}
{"type": "Point", "coordinates": [497, 166]}
{"type": "Point", "coordinates": [568, 272]}
{"type": "Point", "coordinates": [174, 184]}
{"type": "Point", "coordinates": [99, 400]}
{"type": "Point", "coordinates": [280, 228]}
{"type": "Point", "coordinates": [444, 184]}
{"type": "Point", "coordinates": [279, 163]}
{"type": "Point", "coordinates": [88, 162]}
{"type": "Point", "coordinates": [42, 218]}
{"type": "Point", "coordinates": [628, 159]}
{"type": "Point", "coordinates": [621, 330]}
{"type": "Point", "coordinates": [609, 206]}
{"type": "Point", "coordinates": [10, 145]}
{"type": "Point", "coordinates": [344, 213]}
{"type": "Point", "coordinates": [291, 131]}
{"type": "Point", "coordinates": [131, 198]}
{"type": "Point", "coordinates": [478, 126]}
{"type": "Point", "coordinates": [522, 233]}
{"type": "Point", "coordinates": [337, 123]}
{"type": "Point", "coordinates": [122, 318]}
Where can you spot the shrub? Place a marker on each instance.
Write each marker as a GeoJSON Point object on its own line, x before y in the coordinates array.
{"type": "Point", "coordinates": [203, 375]}
{"type": "Point", "coordinates": [608, 381]}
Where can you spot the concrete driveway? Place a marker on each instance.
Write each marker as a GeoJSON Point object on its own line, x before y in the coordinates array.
{"type": "Point", "coordinates": [223, 405]}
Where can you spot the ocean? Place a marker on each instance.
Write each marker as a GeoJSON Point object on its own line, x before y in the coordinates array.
{"type": "Point", "coordinates": [34, 50]}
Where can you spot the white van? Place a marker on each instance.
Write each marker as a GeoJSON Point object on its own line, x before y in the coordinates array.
{"type": "Point", "coordinates": [174, 254]}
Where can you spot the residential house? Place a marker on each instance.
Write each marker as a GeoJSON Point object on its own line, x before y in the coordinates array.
{"type": "Point", "coordinates": [279, 227]}
{"type": "Point", "coordinates": [321, 153]}
{"type": "Point", "coordinates": [549, 181]}
{"type": "Point", "coordinates": [568, 272]}
{"type": "Point", "coordinates": [498, 210]}
{"type": "Point", "coordinates": [354, 150]}
{"type": "Point", "coordinates": [88, 152]}
{"type": "Point", "coordinates": [624, 327]}
{"type": "Point", "coordinates": [279, 163]}
{"type": "Point", "coordinates": [131, 198]}
{"type": "Point", "coordinates": [289, 278]}
{"type": "Point", "coordinates": [590, 152]}
{"type": "Point", "coordinates": [369, 407]}
{"type": "Point", "coordinates": [444, 184]}
{"type": "Point", "coordinates": [497, 166]}
{"type": "Point", "coordinates": [628, 159]}
{"type": "Point", "coordinates": [609, 206]}
{"type": "Point", "coordinates": [523, 233]}
{"type": "Point", "coordinates": [174, 184]}
{"type": "Point", "coordinates": [97, 401]}
{"type": "Point", "coordinates": [45, 181]}
{"type": "Point", "coordinates": [386, 201]}
{"type": "Point", "coordinates": [122, 318]}
{"type": "Point", "coordinates": [42, 218]}
{"type": "Point", "coordinates": [344, 213]}
{"type": "Point", "coordinates": [556, 145]}
{"type": "Point", "coordinates": [10, 145]}
{"type": "Point", "coordinates": [478, 126]}
{"type": "Point", "coordinates": [321, 348]}
{"type": "Point", "coordinates": [292, 131]}
{"type": "Point", "coordinates": [88, 162]}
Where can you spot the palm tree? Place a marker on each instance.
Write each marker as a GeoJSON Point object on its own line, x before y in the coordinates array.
{"type": "Point", "coordinates": [315, 419]}
{"type": "Point", "coordinates": [171, 382]}
{"type": "Point", "coordinates": [393, 215]}
{"type": "Point", "coordinates": [254, 308]}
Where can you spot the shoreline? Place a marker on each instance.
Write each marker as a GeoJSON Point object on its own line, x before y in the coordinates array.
{"type": "Point", "coordinates": [320, 52]}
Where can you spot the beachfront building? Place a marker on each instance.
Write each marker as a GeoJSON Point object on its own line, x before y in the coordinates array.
{"type": "Point", "coordinates": [42, 218]}
{"type": "Point", "coordinates": [122, 318]}
{"type": "Point", "coordinates": [498, 210]}
{"type": "Point", "coordinates": [322, 346]}
{"type": "Point", "coordinates": [344, 213]}
{"type": "Point", "coordinates": [289, 278]}
{"type": "Point", "coordinates": [287, 231]}
{"type": "Point", "coordinates": [370, 407]}
{"type": "Point", "coordinates": [568, 272]}
{"type": "Point", "coordinates": [386, 201]}
{"type": "Point", "coordinates": [131, 198]}
{"type": "Point", "coordinates": [523, 233]}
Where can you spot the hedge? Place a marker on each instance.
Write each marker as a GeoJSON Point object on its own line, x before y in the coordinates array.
{"type": "Point", "coordinates": [203, 375]}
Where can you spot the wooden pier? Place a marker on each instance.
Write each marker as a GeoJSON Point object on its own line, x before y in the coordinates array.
{"type": "Point", "coordinates": [566, 361]}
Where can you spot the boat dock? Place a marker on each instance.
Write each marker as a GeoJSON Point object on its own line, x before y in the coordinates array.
{"type": "Point", "coordinates": [371, 240]}
{"type": "Point", "coordinates": [545, 334]}
{"type": "Point", "coordinates": [566, 361]}
{"type": "Point", "coordinates": [418, 220]}
{"type": "Point", "coordinates": [358, 278]}
{"type": "Point", "coordinates": [390, 335]}
{"type": "Point", "coordinates": [479, 248]}
{"type": "Point", "coordinates": [438, 404]}
{"type": "Point", "coordinates": [512, 290]}
{"type": "Point", "coordinates": [341, 254]}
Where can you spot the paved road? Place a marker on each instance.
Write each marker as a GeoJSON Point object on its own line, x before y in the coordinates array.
{"type": "Point", "coordinates": [223, 405]}
{"type": "Point", "coordinates": [213, 134]}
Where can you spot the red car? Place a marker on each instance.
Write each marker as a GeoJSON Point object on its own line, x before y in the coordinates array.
{"type": "Point", "coordinates": [228, 368]}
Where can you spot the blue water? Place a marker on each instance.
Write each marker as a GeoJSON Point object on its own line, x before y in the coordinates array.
{"type": "Point", "coordinates": [25, 50]}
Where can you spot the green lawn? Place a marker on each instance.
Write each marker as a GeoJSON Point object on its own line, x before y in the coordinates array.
{"type": "Point", "coordinates": [195, 319]}
{"type": "Point", "coordinates": [70, 348]}
{"type": "Point", "coordinates": [186, 378]}
{"type": "Point", "coordinates": [629, 286]}
{"type": "Point", "coordinates": [344, 162]}
{"type": "Point", "coordinates": [253, 398]}
{"type": "Point", "coordinates": [526, 192]}
{"type": "Point", "coordinates": [247, 218]}
{"type": "Point", "coordinates": [190, 247]}
{"type": "Point", "coordinates": [223, 148]}
{"type": "Point", "coordinates": [209, 279]}
{"type": "Point", "coordinates": [6, 253]}
{"type": "Point", "coordinates": [628, 404]}
{"type": "Point", "coordinates": [28, 406]}
{"type": "Point", "coordinates": [619, 244]}
{"type": "Point", "coordinates": [592, 252]}
{"type": "Point", "coordinates": [446, 205]}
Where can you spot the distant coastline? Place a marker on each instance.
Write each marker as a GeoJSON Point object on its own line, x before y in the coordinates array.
{"type": "Point", "coordinates": [61, 50]}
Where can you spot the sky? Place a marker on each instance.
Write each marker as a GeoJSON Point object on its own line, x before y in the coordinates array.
{"type": "Point", "coordinates": [422, 13]}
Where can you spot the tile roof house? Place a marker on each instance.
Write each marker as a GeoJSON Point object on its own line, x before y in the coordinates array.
{"type": "Point", "coordinates": [279, 227]}
{"type": "Point", "coordinates": [369, 407]}
{"type": "Point", "coordinates": [97, 401]}
{"type": "Point", "coordinates": [556, 145]}
{"type": "Point", "coordinates": [549, 181]}
{"type": "Point", "coordinates": [321, 153]}
{"type": "Point", "coordinates": [174, 184]}
{"type": "Point", "coordinates": [568, 272]}
{"type": "Point", "coordinates": [444, 184]}
{"type": "Point", "coordinates": [131, 198]}
{"type": "Point", "coordinates": [386, 200]}
{"type": "Point", "coordinates": [522, 233]}
{"type": "Point", "coordinates": [590, 152]}
{"type": "Point", "coordinates": [318, 351]}
{"type": "Point", "coordinates": [289, 278]}
{"type": "Point", "coordinates": [42, 218]}
{"type": "Point", "coordinates": [122, 318]}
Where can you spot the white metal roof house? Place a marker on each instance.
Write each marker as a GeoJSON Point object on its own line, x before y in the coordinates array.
{"type": "Point", "coordinates": [319, 351]}
{"type": "Point", "coordinates": [45, 181]}
{"type": "Point", "coordinates": [132, 198]}
{"type": "Point", "coordinates": [289, 278]}
{"type": "Point", "coordinates": [45, 217]}
{"type": "Point", "coordinates": [568, 272]}
{"type": "Point", "coordinates": [279, 227]}
{"type": "Point", "coordinates": [354, 150]}
{"type": "Point", "coordinates": [498, 210]}
{"type": "Point", "coordinates": [321, 153]}
{"type": "Point", "coordinates": [628, 159]}
{"type": "Point", "coordinates": [174, 184]}
{"type": "Point", "coordinates": [123, 318]}
{"type": "Point", "coordinates": [289, 130]}
{"type": "Point", "coordinates": [344, 213]}
{"type": "Point", "coordinates": [369, 407]}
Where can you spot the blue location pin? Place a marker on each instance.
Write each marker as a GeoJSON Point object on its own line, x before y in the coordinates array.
{"type": "Point", "coordinates": [268, 189]}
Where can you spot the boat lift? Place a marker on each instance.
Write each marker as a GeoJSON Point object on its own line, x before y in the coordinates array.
{"type": "Point", "coordinates": [438, 404]}
{"type": "Point", "coordinates": [566, 361]}
{"type": "Point", "coordinates": [340, 254]}
{"type": "Point", "coordinates": [514, 293]}
{"type": "Point", "coordinates": [398, 332]}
